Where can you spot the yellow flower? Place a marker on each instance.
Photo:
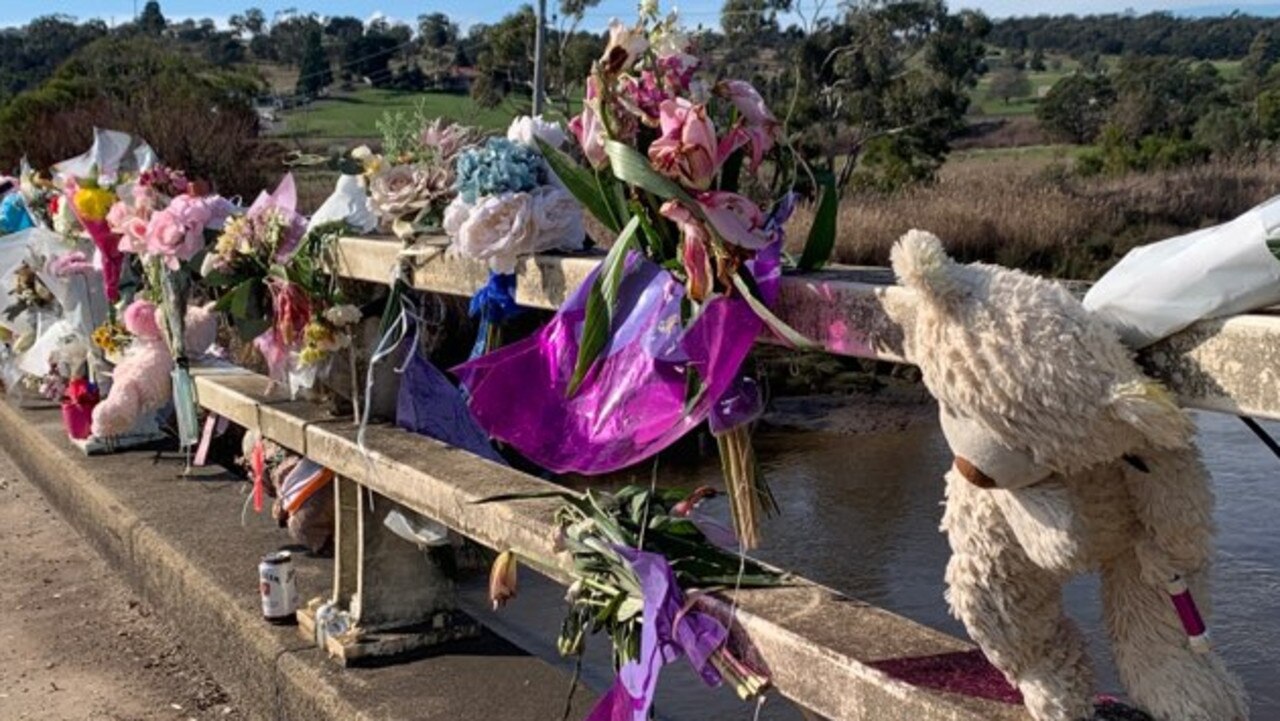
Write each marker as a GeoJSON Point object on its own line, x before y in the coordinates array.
{"type": "Point", "coordinates": [94, 203]}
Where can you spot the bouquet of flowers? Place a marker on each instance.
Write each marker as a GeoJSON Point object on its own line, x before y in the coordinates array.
{"type": "Point", "coordinates": [508, 206]}
{"type": "Point", "coordinates": [654, 343]}
{"type": "Point", "coordinates": [277, 291]}
{"type": "Point", "coordinates": [167, 232]}
{"type": "Point", "coordinates": [639, 556]}
{"type": "Point", "coordinates": [91, 199]}
{"type": "Point", "coordinates": [414, 182]}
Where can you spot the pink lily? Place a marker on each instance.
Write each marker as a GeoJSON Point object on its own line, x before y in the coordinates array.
{"type": "Point", "coordinates": [735, 219]}
{"type": "Point", "coordinates": [688, 150]}
{"type": "Point", "coordinates": [589, 129]}
{"type": "Point", "coordinates": [694, 251]}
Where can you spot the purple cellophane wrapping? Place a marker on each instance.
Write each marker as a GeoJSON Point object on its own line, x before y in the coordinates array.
{"type": "Point", "coordinates": [634, 402]}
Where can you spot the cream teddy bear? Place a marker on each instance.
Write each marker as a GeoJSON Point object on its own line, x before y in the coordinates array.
{"type": "Point", "coordinates": [1068, 460]}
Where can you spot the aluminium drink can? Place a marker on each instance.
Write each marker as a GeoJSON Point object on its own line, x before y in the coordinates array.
{"type": "Point", "coordinates": [278, 586]}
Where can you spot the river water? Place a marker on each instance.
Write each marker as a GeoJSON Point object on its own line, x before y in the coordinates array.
{"type": "Point", "coordinates": [861, 514]}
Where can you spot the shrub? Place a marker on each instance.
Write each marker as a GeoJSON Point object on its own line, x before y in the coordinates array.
{"type": "Point", "coordinates": [196, 116]}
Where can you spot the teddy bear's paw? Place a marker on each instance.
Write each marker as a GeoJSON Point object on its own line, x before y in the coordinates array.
{"type": "Point", "coordinates": [1110, 710]}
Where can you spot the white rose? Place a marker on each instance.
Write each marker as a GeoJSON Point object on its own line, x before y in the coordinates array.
{"type": "Point", "coordinates": [526, 129]}
{"type": "Point", "coordinates": [499, 229]}
{"type": "Point", "coordinates": [557, 216]}
{"type": "Point", "coordinates": [455, 215]}
{"type": "Point", "coordinates": [343, 315]}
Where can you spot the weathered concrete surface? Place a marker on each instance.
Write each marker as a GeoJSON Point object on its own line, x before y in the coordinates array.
{"type": "Point", "coordinates": [820, 646]}
{"type": "Point", "coordinates": [180, 543]}
{"type": "Point", "coordinates": [1227, 365]}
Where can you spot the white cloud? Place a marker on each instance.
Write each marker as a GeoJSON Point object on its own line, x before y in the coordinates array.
{"type": "Point", "coordinates": [379, 16]}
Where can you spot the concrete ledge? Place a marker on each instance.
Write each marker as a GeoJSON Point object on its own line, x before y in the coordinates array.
{"type": "Point", "coordinates": [179, 542]}
{"type": "Point", "coordinates": [824, 649]}
{"type": "Point", "coordinates": [1227, 366]}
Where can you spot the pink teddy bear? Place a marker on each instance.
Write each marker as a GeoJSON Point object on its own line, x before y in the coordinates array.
{"type": "Point", "coordinates": [141, 383]}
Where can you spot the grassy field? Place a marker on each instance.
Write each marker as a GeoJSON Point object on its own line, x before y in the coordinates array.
{"type": "Point", "coordinates": [984, 104]}
{"type": "Point", "coordinates": [355, 114]}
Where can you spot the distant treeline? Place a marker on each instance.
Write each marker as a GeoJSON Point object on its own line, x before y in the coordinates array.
{"type": "Point", "coordinates": [1215, 38]}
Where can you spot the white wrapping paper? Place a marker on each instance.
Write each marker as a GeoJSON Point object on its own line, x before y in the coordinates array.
{"type": "Point", "coordinates": [1159, 289]}
{"type": "Point", "coordinates": [349, 203]}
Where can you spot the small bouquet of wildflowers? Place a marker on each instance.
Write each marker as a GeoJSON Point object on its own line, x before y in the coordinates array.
{"type": "Point", "coordinates": [274, 285]}
{"type": "Point", "coordinates": [509, 206]}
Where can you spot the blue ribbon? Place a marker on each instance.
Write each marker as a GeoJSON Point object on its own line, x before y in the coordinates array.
{"type": "Point", "coordinates": [494, 303]}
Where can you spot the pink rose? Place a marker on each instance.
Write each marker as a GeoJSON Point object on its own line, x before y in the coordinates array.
{"type": "Point", "coordinates": [177, 232]}
{"type": "Point", "coordinates": [694, 250]}
{"type": "Point", "coordinates": [735, 219]}
{"type": "Point", "coordinates": [688, 151]}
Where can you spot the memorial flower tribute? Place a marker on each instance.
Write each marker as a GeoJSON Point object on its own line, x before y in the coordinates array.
{"type": "Point", "coordinates": [412, 183]}
{"type": "Point", "coordinates": [508, 206]}
{"type": "Point", "coordinates": [654, 343]}
{"type": "Point", "coordinates": [166, 222]}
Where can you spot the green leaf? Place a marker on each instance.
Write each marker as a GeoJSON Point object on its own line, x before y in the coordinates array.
{"type": "Point", "coordinates": [731, 171]}
{"type": "Point", "coordinates": [822, 236]}
{"type": "Point", "coordinates": [237, 301]}
{"type": "Point", "coordinates": [750, 292]}
{"type": "Point", "coordinates": [601, 302]}
{"type": "Point", "coordinates": [632, 168]}
{"type": "Point", "coordinates": [582, 183]}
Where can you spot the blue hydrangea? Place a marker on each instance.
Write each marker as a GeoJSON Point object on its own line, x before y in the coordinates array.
{"type": "Point", "coordinates": [498, 166]}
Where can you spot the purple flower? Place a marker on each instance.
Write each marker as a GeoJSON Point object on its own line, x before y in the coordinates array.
{"type": "Point", "coordinates": [670, 629]}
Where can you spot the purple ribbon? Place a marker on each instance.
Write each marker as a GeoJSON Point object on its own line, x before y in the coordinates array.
{"type": "Point", "coordinates": [669, 630]}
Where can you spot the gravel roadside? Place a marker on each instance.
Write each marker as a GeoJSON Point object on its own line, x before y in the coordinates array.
{"type": "Point", "coordinates": [76, 644]}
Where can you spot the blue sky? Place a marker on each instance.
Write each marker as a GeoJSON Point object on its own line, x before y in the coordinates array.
{"type": "Point", "coordinates": [13, 12]}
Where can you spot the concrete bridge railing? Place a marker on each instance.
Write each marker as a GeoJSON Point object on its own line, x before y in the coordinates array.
{"type": "Point", "coordinates": [824, 650]}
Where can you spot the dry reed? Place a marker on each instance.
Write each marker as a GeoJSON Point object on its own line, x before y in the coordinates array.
{"type": "Point", "coordinates": [1022, 212]}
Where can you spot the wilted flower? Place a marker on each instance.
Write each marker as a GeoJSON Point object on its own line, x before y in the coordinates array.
{"type": "Point", "coordinates": [695, 251]}
{"type": "Point", "coordinates": [759, 127]}
{"type": "Point", "coordinates": [498, 229]}
{"type": "Point", "coordinates": [735, 219]}
{"type": "Point", "coordinates": [527, 130]}
{"type": "Point", "coordinates": [626, 46]}
{"type": "Point", "coordinates": [405, 189]}
{"type": "Point", "coordinates": [503, 579]}
{"type": "Point", "coordinates": [589, 129]}
{"type": "Point", "coordinates": [688, 150]}
{"type": "Point", "coordinates": [643, 97]}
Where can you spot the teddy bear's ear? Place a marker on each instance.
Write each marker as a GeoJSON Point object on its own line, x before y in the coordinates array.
{"type": "Point", "coordinates": [922, 265]}
{"type": "Point", "coordinates": [1152, 411]}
